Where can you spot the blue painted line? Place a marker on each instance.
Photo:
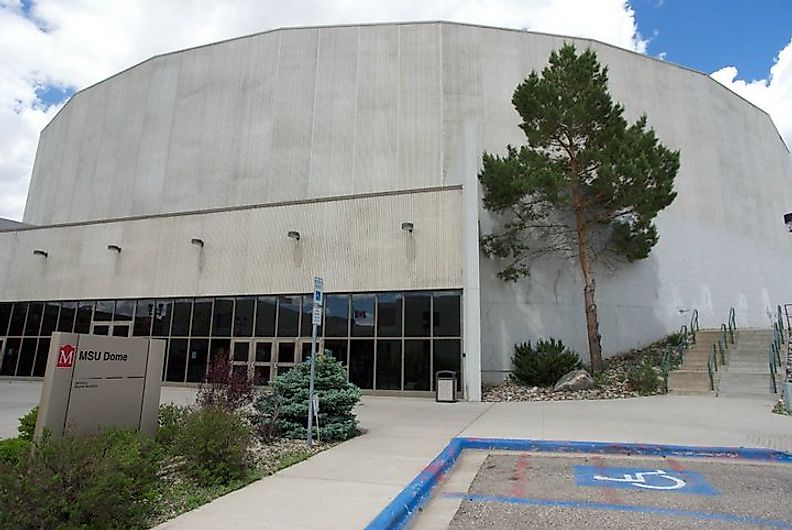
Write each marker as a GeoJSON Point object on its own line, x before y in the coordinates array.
{"type": "Point", "coordinates": [401, 509]}
{"type": "Point", "coordinates": [671, 512]}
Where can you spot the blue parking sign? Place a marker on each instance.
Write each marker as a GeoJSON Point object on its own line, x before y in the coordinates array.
{"type": "Point", "coordinates": [647, 479]}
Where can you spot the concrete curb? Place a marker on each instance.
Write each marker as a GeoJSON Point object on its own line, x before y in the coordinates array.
{"type": "Point", "coordinates": [401, 509]}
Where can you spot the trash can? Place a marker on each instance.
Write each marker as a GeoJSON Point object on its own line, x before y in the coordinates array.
{"type": "Point", "coordinates": [445, 386]}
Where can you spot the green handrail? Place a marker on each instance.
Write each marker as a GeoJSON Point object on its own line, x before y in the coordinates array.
{"type": "Point", "coordinates": [722, 344]}
{"type": "Point", "coordinates": [694, 324]}
{"type": "Point", "coordinates": [773, 372]}
{"type": "Point", "coordinates": [781, 323]}
{"type": "Point", "coordinates": [732, 324]}
{"type": "Point", "coordinates": [712, 362]}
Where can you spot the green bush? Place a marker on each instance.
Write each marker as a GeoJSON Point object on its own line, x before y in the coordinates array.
{"type": "Point", "coordinates": [543, 364]}
{"type": "Point", "coordinates": [644, 379]}
{"type": "Point", "coordinates": [108, 480]}
{"type": "Point", "coordinates": [171, 418]}
{"type": "Point", "coordinates": [13, 450]}
{"type": "Point", "coordinates": [214, 443]}
{"type": "Point", "coordinates": [337, 399]}
{"type": "Point", "coordinates": [27, 424]}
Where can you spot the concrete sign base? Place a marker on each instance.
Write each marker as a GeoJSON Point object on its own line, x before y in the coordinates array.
{"type": "Point", "coordinates": [95, 381]}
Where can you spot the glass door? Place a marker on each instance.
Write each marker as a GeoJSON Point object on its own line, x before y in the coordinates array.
{"type": "Point", "coordinates": [253, 357]}
{"type": "Point", "coordinates": [292, 352]}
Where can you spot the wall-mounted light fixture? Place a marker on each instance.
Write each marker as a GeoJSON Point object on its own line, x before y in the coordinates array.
{"type": "Point", "coordinates": [197, 241]}
{"type": "Point", "coordinates": [408, 227]}
{"type": "Point", "coordinates": [114, 248]}
{"type": "Point", "coordinates": [294, 234]}
{"type": "Point", "coordinates": [788, 220]}
{"type": "Point", "coordinates": [39, 252]}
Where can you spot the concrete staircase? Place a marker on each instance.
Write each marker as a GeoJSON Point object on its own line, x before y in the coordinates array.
{"type": "Point", "coordinates": [748, 373]}
{"type": "Point", "coordinates": [692, 378]}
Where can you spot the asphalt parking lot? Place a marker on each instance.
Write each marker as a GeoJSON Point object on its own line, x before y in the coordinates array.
{"type": "Point", "coordinates": [529, 490]}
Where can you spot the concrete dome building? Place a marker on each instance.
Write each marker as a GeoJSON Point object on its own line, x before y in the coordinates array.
{"type": "Point", "coordinates": [193, 197]}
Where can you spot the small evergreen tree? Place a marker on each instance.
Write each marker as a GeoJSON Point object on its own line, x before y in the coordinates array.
{"type": "Point", "coordinates": [585, 185]}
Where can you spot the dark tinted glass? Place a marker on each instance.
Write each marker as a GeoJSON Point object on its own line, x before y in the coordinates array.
{"type": "Point", "coordinates": [101, 329]}
{"type": "Point", "coordinates": [11, 356]}
{"type": "Point", "coordinates": [50, 321]}
{"type": "Point", "coordinates": [84, 315]}
{"type": "Point", "coordinates": [361, 363]}
{"type": "Point", "coordinates": [288, 315]}
{"type": "Point", "coordinates": [66, 319]}
{"type": "Point", "coordinates": [26, 358]}
{"type": "Point", "coordinates": [307, 317]}
{"type": "Point", "coordinates": [163, 311]}
{"type": "Point", "coordinates": [177, 359]}
{"type": "Point", "coordinates": [263, 352]}
{"type": "Point", "coordinates": [416, 365]}
{"type": "Point", "coordinates": [219, 349]}
{"type": "Point", "coordinates": [180, 326]}
{"type": "Point", "coordinates": [261, 375]}
{"type": "Point", "coordinates": [362, 315]}
{"type": "Point", "coordinates": [124, 310]}
{"type": "Point", "coordinates": [104, 310]}
{"type": "Point", "coordinates": [196, 363]}
{"type": "Point", "coordinates": [143, 317]}
{"type": "Point", "coordinates": [389, 315]}
{"type": "Point", "coordinates": [266, 307]}
{"type": "Point", "coordinates": [243, 317]}
{"type": "Point", "coordinates": [337, 350]}
{"type": "Point", "coordinates": [388, 365]}
{"type": "Point", "coordinates": [287, 352]}
{"type": "Point", "coordinates": [416, 315]}
{"type": "Point", "coordinates": [17, 326]}
{"type": "Point", "coordinates": [336, 315]}
{"type": "Point", "coordinates": [447, 356]}
{"type": "Point", "coordinates": [5, 316]}
{"type": "Point", "coordinates": [202, 317]}
{"type": "Point", "coordinates": [42, 352]}
{"type": "Point", "coordinates": [33, 321]}
{"type": "Point", "coordinates": [222, 316]}
{"type": "Point", "coordinates": [446, 315]}
{"type": "Point", "coordinates": [241, 351]}
{"type": "Point", "coordinates": [121, 330]}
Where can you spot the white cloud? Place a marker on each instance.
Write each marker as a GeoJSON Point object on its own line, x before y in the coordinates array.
{"type": "Point", "coordinates": [773, 94]}
{"type": "Point", "coordinates": [84, 42]}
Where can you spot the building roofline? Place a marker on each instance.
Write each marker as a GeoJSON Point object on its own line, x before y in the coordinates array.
{"type": "Point", "coordinates": [412, 23]}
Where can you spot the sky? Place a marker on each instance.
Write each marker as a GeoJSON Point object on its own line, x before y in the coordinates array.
{"type": "Point", "coordinates": [50, 48]}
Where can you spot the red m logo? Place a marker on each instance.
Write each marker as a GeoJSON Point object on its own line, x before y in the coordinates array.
{"type": "Point", "coordinates": [66, 356]}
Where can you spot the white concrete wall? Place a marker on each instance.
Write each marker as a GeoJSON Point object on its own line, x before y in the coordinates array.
{"type": "Point", "coordinates": [355, 244]}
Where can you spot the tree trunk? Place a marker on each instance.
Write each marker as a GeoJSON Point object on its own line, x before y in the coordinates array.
{"type": "Point", "coordinates": [592, 322]}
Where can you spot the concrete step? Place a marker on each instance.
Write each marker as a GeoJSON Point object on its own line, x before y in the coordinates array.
{"type": "Point", "coordinates": [769, 397]}
{"type": "Point", "coordinates": [689, 380]}
{"type": "Point", "coordinates": [691, 392]}
{"type": "Point", "coordinates": [751, 383]}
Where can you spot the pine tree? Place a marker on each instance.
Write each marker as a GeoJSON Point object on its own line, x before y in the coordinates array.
{"type": "Point", "coordinates": [585, 185]}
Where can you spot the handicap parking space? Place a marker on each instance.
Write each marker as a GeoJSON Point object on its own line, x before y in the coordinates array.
{"type": "Point", "coordinates": [541, 490]}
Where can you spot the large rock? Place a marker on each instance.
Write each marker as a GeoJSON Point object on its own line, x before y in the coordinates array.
{"type": "Point", "coordinates": [574, 380]}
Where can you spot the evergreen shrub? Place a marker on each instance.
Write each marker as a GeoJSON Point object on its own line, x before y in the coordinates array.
{"type": "Point", "coordinates": [543, 364]}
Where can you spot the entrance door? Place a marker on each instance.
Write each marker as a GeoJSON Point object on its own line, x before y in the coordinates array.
{"type": "Point", "coordinates": [266, 359]}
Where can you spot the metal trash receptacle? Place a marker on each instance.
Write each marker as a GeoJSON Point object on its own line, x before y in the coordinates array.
{"type": "Point", "coordinates": [445, 386]}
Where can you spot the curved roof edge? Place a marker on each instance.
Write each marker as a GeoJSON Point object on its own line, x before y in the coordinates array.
{"type": "Point", "coordinates": [427, 22]}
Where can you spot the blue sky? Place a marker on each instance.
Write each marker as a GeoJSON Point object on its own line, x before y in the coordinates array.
{"type": "Point", "coordinates": [710, 34]}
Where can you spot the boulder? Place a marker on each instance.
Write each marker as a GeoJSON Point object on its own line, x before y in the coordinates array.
{"type": "Point", "coordinates": [574, 380]}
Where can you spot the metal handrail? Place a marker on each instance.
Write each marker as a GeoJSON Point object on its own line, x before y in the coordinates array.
{"type": "Point", "coordinates": [712, 362]}
{"type": "Point", "coordinates": [773, 372]}
{"type": "Point", "coordinates": [694, 324]}
{"type": "Point", "coordinates": [722, 344]}
{"type": "Point", "coordinates": [732, 324]}
{"type": "Point", "coordinates": [781, 323]}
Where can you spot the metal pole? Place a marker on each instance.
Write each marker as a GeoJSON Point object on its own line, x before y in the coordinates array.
{"type": "Point", "coordinates": [311, 386]}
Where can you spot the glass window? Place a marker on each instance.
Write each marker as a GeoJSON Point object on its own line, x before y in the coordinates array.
{"type": "Point", "coordinates": [337, 349]}
{"type": "Point", "coordinates": [162, 318]}
{"type": "Point", "coordinates": [241, 351]}
{"type": "Point", "coordinates": [389, 315]}
{"type": "Point", "coordinates": [124, 310]}
{"type": "Point", "coordinates": [196, 363]}
{"type": "Point", "coordinates": [416, 364]}
{"type": "Point", "coordinates": [5, 316]}
{"type": "Point", "coordinates": [42, 352]}
{"type": "Point", "coordinates": [121, 330]}
{"type": "Point", "coordinates": [243, 317]}
{"type": "Point", "coordinates": [287, 352]}
{"type": "Point", "coordinates": [361, 363]}
{"type": "Point", "coordinates": [50, 321]}
{"type": "Point", "coordinates": [362, 315]}
{"type": "Point", "coordinates": [448, 356]}
{"type": "Point", "coordinates": [222, 317]}
{"type": "Point", "coordinates": [33, 322]}
{"type": "Point", "coordinates": [446, 315]}
{"type": "Point", "coordinates": [219, 349]}
{"type": "Point", "coordinates": [263, 352]}
{"type": "Point", "coordinates": [336, 315]}
{"type": "Point", "coordinates": [104, 310]}
{"type": "Point", "coordinates": [180, 327]}
{"type": "Point", "coordinates": [288, 315]}
{"type": "Point", "coordinates": [202, 317]}
{"type": "Point", "coordinates": [261, 375]}
{"type": "Point", "coordinates": [389, 365]}
{"type": "Point", "coordinates": [17, 326]}
{"type": "Point", "coordinates": [26, 357]}
{"type": "Point", "coordinates": [177, 360]}
{"type": "Point", "coordinates": [10, 357]}
{"type": "Point", "coordinates": [307, 317]}
{"type": "Point", "coordinates": [101, 329]}
{"type": "Point", "coordinates": [66, 319]}
{"type": "Point", "coordinates": [416, 315]}
{"type": "Point", "coordinates": [143, 314]}
{"type": "Point", "coordinates": [266, 307]}
{"type": "Point", "coordinates": [84, 315]}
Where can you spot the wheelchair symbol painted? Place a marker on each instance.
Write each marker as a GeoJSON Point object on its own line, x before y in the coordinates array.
{"type": "Point", "coordinates": [661, 480]}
